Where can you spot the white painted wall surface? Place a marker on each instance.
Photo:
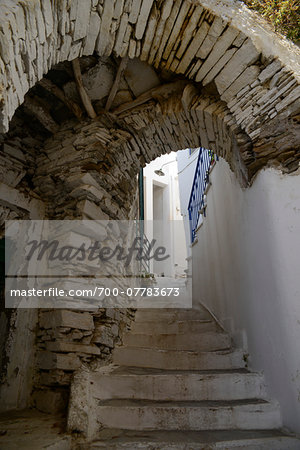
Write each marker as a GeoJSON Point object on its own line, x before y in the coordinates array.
{"type": "Point", "coordinates": [186, 171]}
{"type": "Point", "coordinates": [246, 269]}
{"type": "Point", "coordinates": [162, 203]}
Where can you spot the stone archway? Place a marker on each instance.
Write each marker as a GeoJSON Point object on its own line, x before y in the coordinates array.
{"type": "Point", "coordinates": [227, 91]}
{"type": "Point", "coordinates": [218, 45]}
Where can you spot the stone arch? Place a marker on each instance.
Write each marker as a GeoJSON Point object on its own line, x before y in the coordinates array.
{"type": "Point", "coordinates": [220, 45]}
{"type": "Point", "coordinates": [111, 150]}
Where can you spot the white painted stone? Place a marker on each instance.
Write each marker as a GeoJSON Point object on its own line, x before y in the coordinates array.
{"type": "Point", "coordinates": [82, 19]}
{"type": "Point", "coordinates": [188, 32]}
{"type": "Point", "coordinates": [293, 96]}
{"type": "Point", "coordinates": [75, 51]}
{"type": "Point", "coordinates": [92, 191]}
{"type": "Point", "coordinates": [65, 48]}
{"type": "Point", "coordinates": [239, 40]}
{"type": "Point", "coordinates": [93, 32]}
{"type": "Point", "coordinates": [66, 318]}
{"type": "Point", "coordinates": [134, 10]}
{"type": "Point", "coordinates": [176, 386]}
{"type": "Point", "coordinates": [48, 360]}
{"type": "Point", "coordinates": [269, 71]}
{"type": "Point", "coordinates": [48, 16]}
{"type": "Point", "coordinates": [142, 18]}
{"type": "Point", "coordinates": [40, 25]}
{"type": "Point", "coordinates": [180, 440]}
{"type": "Point", "coordinates": [20, 20]}
{"type": "Point", "coordinates": [91, 211]}
{"type": "Point", "coordinates": [244, 57]}
{"type": "Point", "coordinates": [167, 31]}
{"type": "Point", "coordinates": [178, 360]}
{"type": "Point", "coordinates": [270, 98]}
{"type": "Point", "coordinates": [171, 314]}
{"type": "Point", "coordinates": [167, 416]}
{"type": "Point", "coordinates": [128, 33]}
{"type": "Point", "coordinates": [132, 48]}
{"type": "Point", "coordinates": [185, 6]}
{"type": "Point", "coordinates": [165, 13]}
{"type": "Point", "coordinates": [106, 20]}
{"type": "Point", "coordinates": [214, 32]}
{"type": "Point", "coordinates": [14, 199]}
{"type": "Point", "coordinates": [6, 45]}
{"type": "Point", "coordinates": [118, 9]}
{"type": "Point", "coordinates": [245, 79]}
{"type": "Point", "coordinates": [11, 18]}
{"type": "Point", "coordinates": [178, 327]}
{"type": "Point", "coordinates": [202, 342]}
{"type": "Point", "coordinates": [149, 35]}
{"type": "Point", "coordinates": [62, 17]}
{"type": "Point", "coordinates": [121, 34]}
{"type": "Point", "coordinates": [217, 52]}
{"type": "Point", "coordinates": [193, 48]}
{"type": "Point", "coordinates": [68, 347]}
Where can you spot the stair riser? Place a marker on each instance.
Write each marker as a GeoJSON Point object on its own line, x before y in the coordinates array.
{"type": "Point", "coordinates": [174, 315]}
{"type": "Point", "coordinates": [192, 326]}
{"type": "Point", "coordinates": [206, 342]}
{"type": "Point", "coordinates": [249, 417]}
{"type": "Point", "coordinates": [179, 387]}
{"type": "Point", "coordinates": [249, 444]}
{"type": "Point", "coordinates": [137, 357]}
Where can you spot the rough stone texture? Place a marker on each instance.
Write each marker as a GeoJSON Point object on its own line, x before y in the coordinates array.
{"type": "Point", "coordinates": [66, 341]}
{"type": "Point", "coordinates": [158, 31]}
{"type": "Point", "coordinates": [57, 166]}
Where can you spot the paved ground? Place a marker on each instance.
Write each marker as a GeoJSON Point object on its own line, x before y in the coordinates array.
{"type": "Point", "coordinates": [32, 430]}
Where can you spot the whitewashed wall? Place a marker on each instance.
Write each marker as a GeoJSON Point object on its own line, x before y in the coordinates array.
{"type": "Point", "coordinates": [186, 171]}
{"type": "Point", "coordinates": [246, 268]}
{"type": "Point", "coordinates": [162, 204]}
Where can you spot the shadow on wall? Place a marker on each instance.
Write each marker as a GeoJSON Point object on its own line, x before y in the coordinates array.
{"type": "Point", "coordinates": [248, 250]}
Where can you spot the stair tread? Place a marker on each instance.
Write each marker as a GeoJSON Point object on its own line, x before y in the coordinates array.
{"type": "Point", "coordinates": [161, 437]}
{"type": "Point", "coordinates": [181, 404]}
{"type": "Point", "coordinates": [166, 334]}
{"type": "Point", "coordinates": [131, 370]}
{"type": "Point", "coordinates": [193, 384]}
{"type": "Point", "coordinates": [188, 436]}
{"type": "Point", "coordinates": [200, 321]}
{"type": "Point", "coordinates": [174, 350]}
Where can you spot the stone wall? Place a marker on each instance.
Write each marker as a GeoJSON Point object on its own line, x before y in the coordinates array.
{"type": "Point", "coordinates": [66, 340]}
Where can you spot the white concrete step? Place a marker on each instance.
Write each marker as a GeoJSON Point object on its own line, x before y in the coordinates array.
{"type": "Point", "coordinates": [148, 415]}
{"type": "Point", "coordinates": [178, 359]}
{"type": "Point", "coordinates": [177, 327]}
{"type": "Point", "coordinates": [171, 314]}
{"type": "Point", "coordinates": [194, 440]}
{"type": "Point", "coordinates": [125, 383]}
{"type": "Point", "coordinates": [210, 341]}
{"type": "Point", "coordinates": [176, 383]}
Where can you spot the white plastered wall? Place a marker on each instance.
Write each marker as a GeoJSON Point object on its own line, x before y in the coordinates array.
{"type": "Point", "coordinates": [246, 269]}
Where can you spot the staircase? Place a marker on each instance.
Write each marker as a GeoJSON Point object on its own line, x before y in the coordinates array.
{"type": "Point", "coordinates": [176, 383]}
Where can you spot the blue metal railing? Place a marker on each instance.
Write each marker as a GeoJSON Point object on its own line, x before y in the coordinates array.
{"type": "Point", "coordinates": [201, 179]}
